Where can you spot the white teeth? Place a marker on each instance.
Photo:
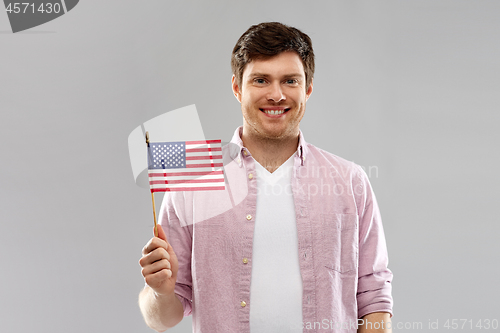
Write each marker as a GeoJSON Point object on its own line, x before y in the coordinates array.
{"type": "Point", "coordinates": [275, 112]}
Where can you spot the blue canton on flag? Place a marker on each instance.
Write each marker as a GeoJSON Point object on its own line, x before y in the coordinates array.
{"type": "Point", "coordinates": [168, 155]}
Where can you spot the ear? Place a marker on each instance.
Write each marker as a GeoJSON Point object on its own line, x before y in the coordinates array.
{"type": "Point", "coordinates": [309, 90]}
{"type": "Point", "coordinates": [236, 88]}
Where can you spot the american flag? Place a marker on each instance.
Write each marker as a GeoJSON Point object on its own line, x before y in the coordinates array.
{"type": "Point", "coordinates": [185, 166]}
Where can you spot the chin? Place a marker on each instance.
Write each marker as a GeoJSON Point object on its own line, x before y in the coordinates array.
{"type": "Point", "coordinates": [275, 134]}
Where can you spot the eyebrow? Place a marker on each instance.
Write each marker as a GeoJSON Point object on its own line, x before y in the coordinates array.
{"type": "Point", "coordinates": [267, 75]}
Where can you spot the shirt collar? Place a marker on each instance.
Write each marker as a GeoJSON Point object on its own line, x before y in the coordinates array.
{"type": "Point", "coordinates": [237, 149]}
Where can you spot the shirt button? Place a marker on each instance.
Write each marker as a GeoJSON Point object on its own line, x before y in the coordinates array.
{"type": "Point", "coordinates": [249, 217]}
{"type": "Point", "coordinates": [243, 304]}
{"type": "Point", "coordinates": [245, 153]}
{"type": "Point", "coordinates": [250, 176]}
{"type": "Point", "coordinates": [245, 260]}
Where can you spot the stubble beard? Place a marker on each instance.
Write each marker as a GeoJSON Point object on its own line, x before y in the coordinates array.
{"type": "Point", "coordinates": [257, 129]}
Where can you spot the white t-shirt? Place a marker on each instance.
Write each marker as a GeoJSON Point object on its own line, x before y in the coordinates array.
{"type": "Point", "coordinates": [276, 285]}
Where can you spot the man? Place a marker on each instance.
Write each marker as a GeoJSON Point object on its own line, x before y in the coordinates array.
{"type": "Point", "coordinates": [295, 243]}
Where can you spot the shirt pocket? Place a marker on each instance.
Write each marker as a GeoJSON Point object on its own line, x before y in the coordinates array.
{"type": "Point", "coordinates": [338, 242]}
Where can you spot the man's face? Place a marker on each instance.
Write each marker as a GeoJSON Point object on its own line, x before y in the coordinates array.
{"type": "Point", "coordinates": [273, 96]}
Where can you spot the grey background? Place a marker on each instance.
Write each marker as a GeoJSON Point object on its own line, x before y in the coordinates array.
{"type": "Point", "coordinates": [408, 87]}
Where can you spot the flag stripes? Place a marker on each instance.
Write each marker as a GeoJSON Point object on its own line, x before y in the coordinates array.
{"type": "Point", "coordinates": [185, 166]}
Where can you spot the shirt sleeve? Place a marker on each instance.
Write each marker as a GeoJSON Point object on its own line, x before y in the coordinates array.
{"type": "Point", "coordinates": [179, 235]}
{"type": "Point", "coordinates": [374, 278]}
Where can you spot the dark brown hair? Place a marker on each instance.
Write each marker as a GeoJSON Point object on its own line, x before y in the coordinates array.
{"type": "Point", "coordinates": [265, 40]}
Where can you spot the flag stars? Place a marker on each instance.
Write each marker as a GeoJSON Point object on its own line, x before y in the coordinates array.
{"type": "Point", "coordinates": [168, 155]}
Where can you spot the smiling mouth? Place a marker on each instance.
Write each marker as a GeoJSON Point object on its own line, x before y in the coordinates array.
{"type": "Point", "coordinates": [274, 112]}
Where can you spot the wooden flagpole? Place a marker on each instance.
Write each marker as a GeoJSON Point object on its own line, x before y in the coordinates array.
{"type": "Point", "coordinates": [152, 194]}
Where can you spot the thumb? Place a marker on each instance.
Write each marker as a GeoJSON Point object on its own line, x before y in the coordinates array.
{"type": "Point", "coordinates": [161, 233]}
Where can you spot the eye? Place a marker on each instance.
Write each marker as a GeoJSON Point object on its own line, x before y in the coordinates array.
{"type": "Point", "coordinates": [259, 81]}
{"type": "Point", "coordinates": [292, 81]}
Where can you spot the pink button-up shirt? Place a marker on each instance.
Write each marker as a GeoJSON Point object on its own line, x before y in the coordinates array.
{"type": "Point", "coordinates": [341, 243]}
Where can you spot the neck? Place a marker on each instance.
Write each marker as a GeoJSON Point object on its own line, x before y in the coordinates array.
{"type": "Point", "coordinates": [269, 152]}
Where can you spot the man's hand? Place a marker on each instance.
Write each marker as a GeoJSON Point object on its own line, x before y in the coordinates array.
{"type": "Point", "coordinates": [376, 322]}
{"type": "Point", "coordinates": [160, 306]}
{"type": "Point", "coordinates": [159, 264]}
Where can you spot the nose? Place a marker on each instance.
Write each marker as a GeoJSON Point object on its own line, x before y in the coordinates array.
{"type": "Point", "coordinates": [275, 92]}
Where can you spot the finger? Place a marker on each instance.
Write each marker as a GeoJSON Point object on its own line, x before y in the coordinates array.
{"type": "Point", "coordinates": [156, 279]}
{"type": "Point", "coordinates": [161, 233]}
{"type": "Point", "coordinates": [153, 244]}
{"type": "Point", "coordinates": [156, 255]}
{"type": "Point", "coordinates": [155, 267]}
